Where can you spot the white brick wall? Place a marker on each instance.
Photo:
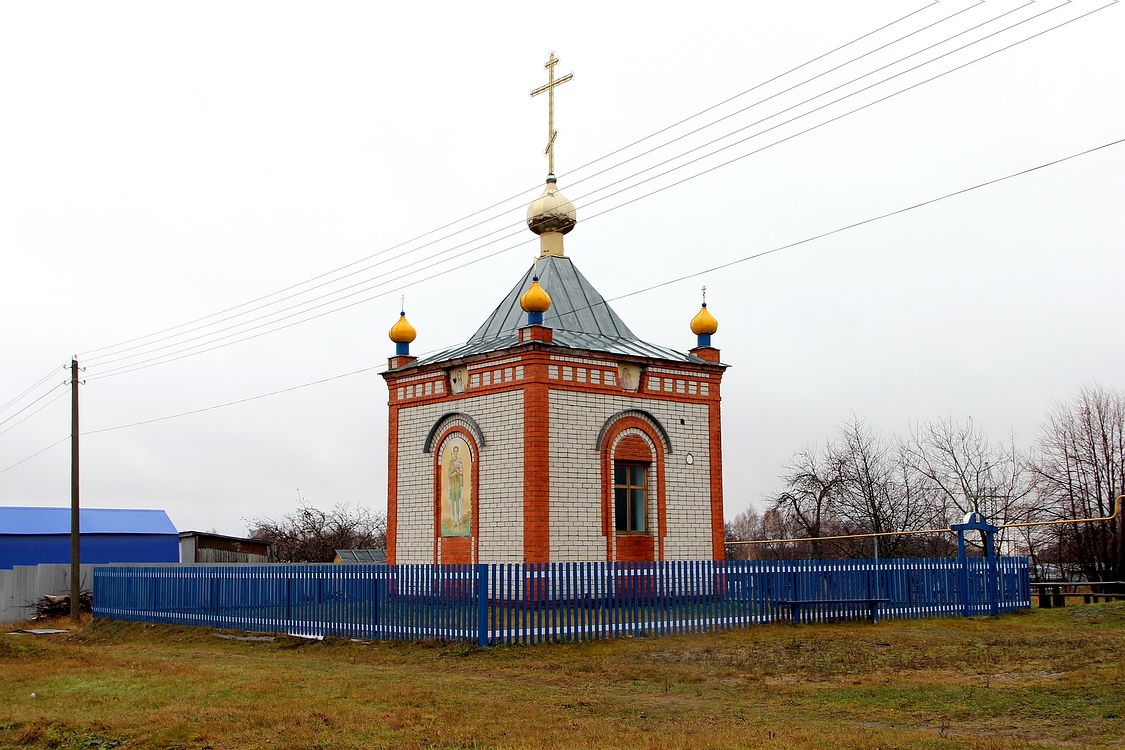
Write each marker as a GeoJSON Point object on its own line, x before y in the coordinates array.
{"type": "Point", "coordinates": [500, 467]}
{"type": "Point", "coordinates": [576, 419]}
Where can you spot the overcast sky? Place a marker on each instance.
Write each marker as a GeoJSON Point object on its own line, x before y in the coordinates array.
{"type": "Point", "coordinates": [161, 162]}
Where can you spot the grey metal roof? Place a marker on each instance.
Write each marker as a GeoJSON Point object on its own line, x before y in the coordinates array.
{"type": "Point", "coordinates": [579, 316]}
{"type": "Point", "coordinates": [571, 339]}
{"type": "Point", "coordinates": [377, 556]}
{"type": "Point", "coordinates": [575, 305]}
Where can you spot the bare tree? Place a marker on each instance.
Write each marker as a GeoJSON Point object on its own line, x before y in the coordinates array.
{"type": "Point", "coordinates": [963, 472]}
{"type": "Point", "coordinates": [859, 483]}
{"type": "Point", "coordinates": [745, 526]}
{"type": "Point", "coordinates": [775, 525]}
{"type": "Point", "coordinates": [811, 478]}
{"type": "Point", "coordinates": [312, 535]}
{"type": "Point", "coordinates": [814, 482]}
{"type": "Point", "coordinates": [1079, 468]}
{"type": "Point", "coordinates": [878, 493]}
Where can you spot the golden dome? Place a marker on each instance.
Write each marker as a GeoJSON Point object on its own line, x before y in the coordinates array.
{"type": "Point", "coordinates": [704, 323]}
{"type": "Point", "coordinates": [551, 211]}
{"type": "Point", "coordinates": [535, 299]}
{"type": "Point", "coordinates": [402, 332]}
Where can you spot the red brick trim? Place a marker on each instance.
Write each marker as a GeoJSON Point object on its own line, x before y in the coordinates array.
{"type": "Point", "coordinates": [715, 448]}
{"type": "Point", "coordinates": [536, 466]}
{"type": "Point", "coordinates": [633, 448]}
{"type": "Point", "coordinates": [400, 360]}
{"type": "Point", "coordinates": [708, 353]}
{"type": "Point", "coordinates": [392, 484]}
{"type": "Point", "coordinates": [459, 549]}
{"type": "Point", "coordinates": [528, 355]}
{"type": "Point", "coordinates": [536, 333]}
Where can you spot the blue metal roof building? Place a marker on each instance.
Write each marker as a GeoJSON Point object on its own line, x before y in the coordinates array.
{"type": "Point", "coordinates": [30, 536]}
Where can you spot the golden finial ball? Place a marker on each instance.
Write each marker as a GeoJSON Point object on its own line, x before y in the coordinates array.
{"type": "Point", "coordinates": [704, 323]}
{"type": "Point", "coordinates": [402, 332]}
{"type": "Point", "coordinates": [535, 299]}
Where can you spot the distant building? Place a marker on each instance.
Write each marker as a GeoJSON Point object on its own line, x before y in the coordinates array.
{"type": "Point", "coordinates": [32, 536]}
{"type": "Point", "coordinates": [202, 547]}
{"type": "Point", "coordinates": [368, 556]}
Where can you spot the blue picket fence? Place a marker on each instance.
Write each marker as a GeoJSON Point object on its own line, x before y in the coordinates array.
{"type": "Point", "coordinates": [531, 603]}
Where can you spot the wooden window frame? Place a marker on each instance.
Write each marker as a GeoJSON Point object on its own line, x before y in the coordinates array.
{"type": "Point", "coordinates": [646, 467]}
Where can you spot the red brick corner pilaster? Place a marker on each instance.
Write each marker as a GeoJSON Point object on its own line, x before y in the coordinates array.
{"type": "Point", "coordinates": [536, 466]}
{"type": "Point", "coordinates": [715, 428]}
{"type": "Point", "coordinates": [392, 484]}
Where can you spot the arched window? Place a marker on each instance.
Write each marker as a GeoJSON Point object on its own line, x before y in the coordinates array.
{"type": "Point", "coordinates": [632, 446]}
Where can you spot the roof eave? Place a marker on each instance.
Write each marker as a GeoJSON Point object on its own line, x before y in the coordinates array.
{"type": "Point", "coordinates": [444, 364]}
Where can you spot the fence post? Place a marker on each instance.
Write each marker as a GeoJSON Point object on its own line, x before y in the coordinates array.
{"type": "Point", "coordinates": [482, 604]}
{"type": "Point", "coordinates": [288, 600]}
{"type": "Point", "coordinates": [963, 561]}
{"type": "Point", "coordinates": [993, 574]}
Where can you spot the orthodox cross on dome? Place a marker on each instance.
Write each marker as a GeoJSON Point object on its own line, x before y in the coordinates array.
{"type": "Point", "coordinates": [549, 87]}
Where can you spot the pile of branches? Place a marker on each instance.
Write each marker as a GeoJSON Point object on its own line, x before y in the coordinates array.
{"type": "Point", "coordinates": [59, 606]}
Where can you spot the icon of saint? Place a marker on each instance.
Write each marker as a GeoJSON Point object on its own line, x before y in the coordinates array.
{"type": "Point", "coordinates": [456, 487]}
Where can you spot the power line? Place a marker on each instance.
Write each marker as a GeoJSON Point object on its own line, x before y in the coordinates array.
{"type": "Point", "coordinates": [149, 349]}
{"type": "Point", "coordinates": [233, 403]}
{"type": "Point", "coordinates": [643, 290]}
{"type": "Point", "coordinates": [756, 87]}
{"type": "Point", "coordinates": [32, 414]}
{"type": "Point", "coordinates": [337, 294]}
{"type": "Point", "coordinates": [834, 101]}
{"type": "Point", "coordinates": [29, 405]}
{"type": "Point", "coordinates": [33, 386]}
{"type": "Point", "coordinates": [802, 83]}
{"type": "Point", "coordinates": [522, 193]}
{"type": "Point", "coordinates": [188, 351]}
{"type": "Point", "coordinates": [887, 215]}
{"type": "Point", "coordinates": [34, 455]}
{"type": "Point", "coordinates": [729, 264]}
{"type": "Point", "coordinates": [520, 224]}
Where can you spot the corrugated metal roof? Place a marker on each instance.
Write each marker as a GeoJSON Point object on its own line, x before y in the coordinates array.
{"type": "Point", "coordinates": [30, 520]}
{"type": "Point", "coordinates": [571, 339]}
{"type": "Point", "coordinates": [575, 305]}
{"type": "Point", "coordinates": [579, 316]}
{"type": "Point", "coordinates": [377, 556]}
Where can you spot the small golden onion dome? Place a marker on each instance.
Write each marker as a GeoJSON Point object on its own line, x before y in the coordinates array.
{"type": "Point", "coordinates": [551, 211]}
{"type": "Point", "coordinates": [535, 299]}
{"type": "Point", "coordinates": [704, 323]}
{"type": "Point", "coordinates": [402, 332]}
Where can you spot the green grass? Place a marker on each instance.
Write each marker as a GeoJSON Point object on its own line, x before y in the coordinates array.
{"type": "Point", "coordinates": [1040, 679]}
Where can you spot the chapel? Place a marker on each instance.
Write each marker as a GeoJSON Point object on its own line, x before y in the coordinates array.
{"type": "Point", "coordinates": [554, 434]}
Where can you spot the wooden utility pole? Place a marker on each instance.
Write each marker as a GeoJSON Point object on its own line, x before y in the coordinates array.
{"type": "Point", "coordinates": [75, 562]}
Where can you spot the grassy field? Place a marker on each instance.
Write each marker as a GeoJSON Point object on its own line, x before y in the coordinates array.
{"type": "Point", "coordinates": [1046, 678]}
